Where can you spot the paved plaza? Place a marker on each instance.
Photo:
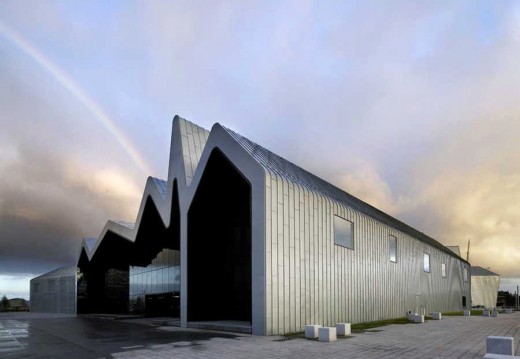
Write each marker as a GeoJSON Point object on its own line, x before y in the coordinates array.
{"type": "Point", "coordinates": [91, 338]}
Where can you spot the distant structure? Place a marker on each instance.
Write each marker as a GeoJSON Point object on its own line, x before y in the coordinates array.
{"type": "Point", "coordinates": [239, 238]}
{"type": "Point", "coordinates": [484, 287]}
{"type": "Point", "coordinates": [54, 292]}
{"type": "Point", "coordinates": [18, 305]}
{"type": "Point", "coordinates": [454, 249]}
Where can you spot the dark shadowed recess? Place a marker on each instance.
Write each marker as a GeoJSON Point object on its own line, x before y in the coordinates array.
{"type": "Point", "coordinates": [219, 244]}
{"type": "Point", "coordinates": [104, 282]}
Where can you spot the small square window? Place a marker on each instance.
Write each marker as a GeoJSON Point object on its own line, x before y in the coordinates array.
{"type": "Point", "coordinates": [426, 266]}
{"type": "Point", "coordinates": [443, 269]}
{"type": "Point", "coordinates": [343, 232]}
{"type": "Point", "coordinates": [465, 273]}
{"type": "Point", "coordinates": [393, 249]}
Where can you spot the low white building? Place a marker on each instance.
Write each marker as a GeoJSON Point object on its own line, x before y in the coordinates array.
{"type": "Point", "coordinates": [484, 287]}
{"type": "Point", "coordinates": [54, 292]}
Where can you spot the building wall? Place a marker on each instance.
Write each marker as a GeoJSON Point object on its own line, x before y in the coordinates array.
{"type": "Point", "coordinates": [53, 294]}
{"type": "Point", "coordinates": [310, 280]}
{"type": "Point", "coordinates": [484, 291]}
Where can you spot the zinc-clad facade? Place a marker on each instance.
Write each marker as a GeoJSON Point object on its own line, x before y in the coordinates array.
{"type": "Point", "coordinates": [54, 292]}
{"type": "Point", "coordinates": [298, 274]}
{"type": "Point", "coordinates": [311, 280]}
{"type": "Point", "coordinates": [484, 287]}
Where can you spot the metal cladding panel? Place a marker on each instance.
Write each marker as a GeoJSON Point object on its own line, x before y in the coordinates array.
{"type": "Point", "coordinates": [484, 290]}
{"type": "Point", "coordinates": [333, 283]}
{"type": "Point", "coordinates": [54, 294]}
{"type": "Point", "coordinates": [193, 139]}
{"type": "Point", "coordinates": [310, 280]}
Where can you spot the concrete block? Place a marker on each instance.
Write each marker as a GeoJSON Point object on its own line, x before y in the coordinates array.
{"type": "Point", "coordinates": [500, 345]}
{"type": "Point", "coordinates": [416, 318]}
{"type": "Point", "coordinates": [508, 311]}
{"type": "Point", "coordinates": [467, 313]}
{"type": "Point", "coordinates": [327, 334]}
{"type": "Point", "coordinates": [436, 315]}
{"type": "Point", "coordinates": [411, 316]}
{"type": "Point", "coordinates": [499, 356]}
{"type": "Point", "coordinates": [311, 331]}
{"type": "Point", "coordinates": [486, 313]}
{"type": "Point", "coordinates": [494, 313]}
{"type": "Point", "coordinates": [343, 329]}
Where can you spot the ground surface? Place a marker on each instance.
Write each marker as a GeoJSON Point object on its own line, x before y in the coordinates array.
{"type": "Point", "coordinates": [27, 336]}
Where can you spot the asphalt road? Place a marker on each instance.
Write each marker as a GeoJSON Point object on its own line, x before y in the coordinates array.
{"type": "Point", "coordinates": [85, 338]}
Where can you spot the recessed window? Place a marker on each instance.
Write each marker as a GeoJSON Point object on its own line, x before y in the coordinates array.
{"type": "Point", "coordinates": [393, 249]}
{"type": "Point", "coordinates": [443, 269]}
{"type": "Point", "coordinates": [426, 265]}
{"type": "Point", "coordinates": [465, 273]}
{"type": "Point", "coordinates": [343, 232]}
{"type": "Point", "coordinates": [36, 287]}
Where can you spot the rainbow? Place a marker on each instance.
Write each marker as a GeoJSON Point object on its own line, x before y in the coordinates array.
{"type": "Point", "coordinates": [75, 90]}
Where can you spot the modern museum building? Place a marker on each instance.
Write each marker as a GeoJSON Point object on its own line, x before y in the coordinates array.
{"type": "Point", "coordinates": [239, 236]}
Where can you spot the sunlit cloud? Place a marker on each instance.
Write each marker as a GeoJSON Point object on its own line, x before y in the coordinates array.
{"type": "Point", "coordinates": [412, 107]}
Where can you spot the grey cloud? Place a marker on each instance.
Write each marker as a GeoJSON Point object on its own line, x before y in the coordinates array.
{"type": "Point", "coordinates": [411, 106]}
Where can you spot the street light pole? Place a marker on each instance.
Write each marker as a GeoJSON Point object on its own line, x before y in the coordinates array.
{"type": "Point", "coordinates": [516, 299]}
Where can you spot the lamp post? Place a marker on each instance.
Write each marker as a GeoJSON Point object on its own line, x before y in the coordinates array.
{"type": "Point", "coordinates": [516, 298]}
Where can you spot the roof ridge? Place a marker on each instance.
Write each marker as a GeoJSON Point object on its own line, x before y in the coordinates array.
{"type": "Point", "coordinates": [312, 182]}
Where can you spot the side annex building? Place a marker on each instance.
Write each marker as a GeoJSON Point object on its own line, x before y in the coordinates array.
{"type": "Point", "coordinates": [238, 234]}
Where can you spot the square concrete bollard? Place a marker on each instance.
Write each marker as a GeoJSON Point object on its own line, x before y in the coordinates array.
{"type": "Point", "coordinates": [500, 345]}
{"type": "Point", "coordinates": [486, 313]}
{"type": "Point", "coordinates": [494, 313]}
{"type": "Point", "coordinates": [411, 316]}
{"type": "Point", "coordinates": [499, 356]}
{"type": "Point", "coordinates": [467, 313]}
{"type": "Point", "coordinates": [418, 319]}
{"type": "Point", "coordinates": [327, 334]}
{"type": "Point", "coordinates": [509, 311]}
{"type": "Point", "coordinates": [311, 331]}
{"type": "Point", "coordinates": [436, 315]}
{"type": "Point", "coordinates": [343, 329]}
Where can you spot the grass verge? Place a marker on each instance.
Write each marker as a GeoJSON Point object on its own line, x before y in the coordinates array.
{"type": "Point", "coordinates": [363, 327]}
{"type": "Point", "coordinates": [461, 313]}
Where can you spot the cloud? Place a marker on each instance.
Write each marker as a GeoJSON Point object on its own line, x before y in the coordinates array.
{"type": "Point", "coordinates": [57, 184]}
{"type": "Point", "coordinates": [15, 286]}
{"type": "Point", "coordinates": [410, 106]}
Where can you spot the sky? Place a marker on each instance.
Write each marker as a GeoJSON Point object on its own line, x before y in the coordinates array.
{"type": "Point", "coordinates": [411, 106]}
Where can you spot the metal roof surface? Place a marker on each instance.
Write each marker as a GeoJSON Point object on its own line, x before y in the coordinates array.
{"type": "Point", "coordinates": [193, 140]}
{"type": "Point", "coordinates": [126, 224]}
{"type": "Point", "coordinates": [454, 249]}
{"type": "Point", "coordinates": [162, 186]}
{"type": "Point", "coordinates": [298, 175]}
{"type": "Point", "coordinates": [90, 243]}
{"type": "Point", "coordinates": [481, 272]}
{"type": "Point", "coordinates": [60, 272]}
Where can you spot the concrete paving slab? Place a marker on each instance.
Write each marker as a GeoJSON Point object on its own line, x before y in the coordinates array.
{"type": "Point", "coordinates": [79, 338]}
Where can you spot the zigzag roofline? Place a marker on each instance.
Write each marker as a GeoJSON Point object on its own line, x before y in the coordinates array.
{"type": "Point", "coordinates": [188, 140]}
{"type": "Point", "coordinates": [189, 143]}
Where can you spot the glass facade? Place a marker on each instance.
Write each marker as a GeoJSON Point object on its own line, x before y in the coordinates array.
{"type": "Point", "coordinates": [161, 276]}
